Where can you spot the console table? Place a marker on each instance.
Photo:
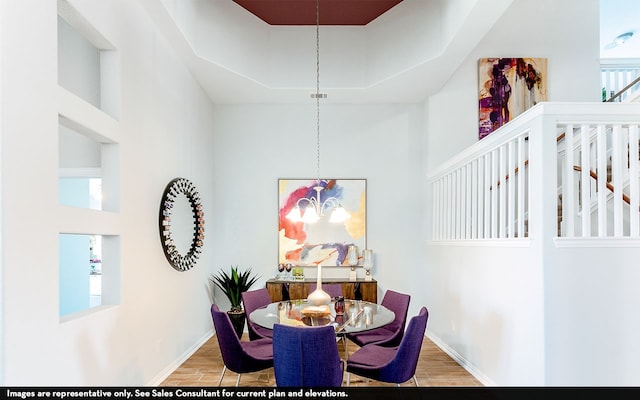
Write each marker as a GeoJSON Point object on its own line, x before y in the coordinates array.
{"type": "Point", "coordinates": [293, 290]}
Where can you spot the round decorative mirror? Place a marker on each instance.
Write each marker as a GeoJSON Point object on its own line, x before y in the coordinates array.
{"type": "Point", "coordinates": [181, 224]}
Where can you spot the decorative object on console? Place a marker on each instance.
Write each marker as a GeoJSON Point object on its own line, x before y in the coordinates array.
{"type": "Point", "coordinates": [352, 257]}
{"type": "Point", "coordinates": [170, 238]}
{"type": "Point", "coordinates": [289, 267]}
{"type": "Point", "coordinates": [507, 88]}
{"type": "Point", "coordinates": [280, 271]}
{"type": "Point", "coordinates": [367, 263]}
{"type": "Point", "coordinates": [352, 274]}
{"type": "Point", "coordinates": [298, 274]}
{"type": "Point", "coordinates": [319, 296]}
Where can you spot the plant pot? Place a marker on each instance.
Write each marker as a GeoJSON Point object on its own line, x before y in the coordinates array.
{"type": "Point", "coordinates": [237, 320]}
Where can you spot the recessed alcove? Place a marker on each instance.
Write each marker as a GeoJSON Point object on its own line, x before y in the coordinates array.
{"type": "Point", "coordinates": [89, 273]}
{"type": "Point", "coordinates": [89, 167]}
{"type": "Point", "coordinates": [87, 62]}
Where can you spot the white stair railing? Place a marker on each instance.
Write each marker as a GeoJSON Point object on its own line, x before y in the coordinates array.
{"type": "Point", "coordinates": [483, 192]}
{"type": "Point", "coordinates": [600, 180]}
{"type": "Point", "coordinates": [617, 74]}
{"type": "Point", "coordinates": [484, 195]}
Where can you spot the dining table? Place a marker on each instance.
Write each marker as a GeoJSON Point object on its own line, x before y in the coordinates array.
{"type": "Point", "coordinates": [353, 316]}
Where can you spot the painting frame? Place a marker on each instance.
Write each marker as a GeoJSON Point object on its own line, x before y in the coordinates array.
{"type": "Point", "coordinates": [304, 244]}
{"type": "Point", "coordinates": [507, 87]}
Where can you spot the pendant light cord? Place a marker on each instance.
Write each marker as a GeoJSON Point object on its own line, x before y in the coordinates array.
{"type": "Point", "coordinates": [318, 89]}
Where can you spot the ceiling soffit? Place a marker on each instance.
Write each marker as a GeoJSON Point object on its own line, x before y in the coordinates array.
{"type": "Point", "coordinates": [226, 82]}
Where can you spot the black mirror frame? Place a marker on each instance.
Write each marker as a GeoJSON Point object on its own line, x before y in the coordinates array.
{"type": "Point", "coordinates": [174, 188]}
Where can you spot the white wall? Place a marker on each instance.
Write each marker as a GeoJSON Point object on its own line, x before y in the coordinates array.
{"type": "Point", "coordinates": [591, 316]}
{"type": "Point", "coordinates": [165, 131]}
{"type": "Point", "coordinates": [487, 310]}
{"type": "Point", "coordinates": [489, 302]}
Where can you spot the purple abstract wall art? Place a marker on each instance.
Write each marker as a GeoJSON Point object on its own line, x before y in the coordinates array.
{"type": "Point", "coordinates": [506, 88]}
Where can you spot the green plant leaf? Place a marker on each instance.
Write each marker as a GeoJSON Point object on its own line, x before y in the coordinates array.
{"type": "Point", "coordinates": [233, 284]}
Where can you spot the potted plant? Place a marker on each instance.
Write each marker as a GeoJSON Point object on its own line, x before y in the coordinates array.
{"type": "Point", "coordinates": [232, 285]}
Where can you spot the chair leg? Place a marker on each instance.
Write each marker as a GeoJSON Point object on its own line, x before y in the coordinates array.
{"type": "Point", "coordinates": [415, 380]}
{"type": "Point", "coordinates": [238, 380]}
{"type": "Point", "coordinates": [346, 347]}
{"type": "Point", "coordinates": [348, 378]}
{"type": "Point", "coordinates": [224, 368]}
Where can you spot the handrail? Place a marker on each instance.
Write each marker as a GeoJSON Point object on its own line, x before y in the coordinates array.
{"type": "Point", "coordinates": [624, 89]}
{"type": "Point", "coordinates": [515, 171]}
{"type": "Point", "coordinates": [594, 175]}
{"type": "Point", "coordinates": [526, 162]}
{"type": "Point", "coordinates": [576, 168]}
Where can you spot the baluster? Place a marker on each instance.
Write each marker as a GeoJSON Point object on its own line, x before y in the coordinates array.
{"type": "Point", "coordinates": [601, 159]}
{"type": "Point", "coordinates": [469, 205]}
{"type": "Point", "coordinates": [511, 200]}
{"type": "Point", "coordinates": [522, 158]}
{"type": "Point", "coordinates": [494, 194]}
{"type": "Point", "coordinates": [488, 183]}
{"type": "Point", "coordinates": [502, 176]}
{"type": "Point", "coordinates": [585, 180]}
{"type": "Point", "coordinates": [462, 207]}
{"type": "Point", "coordinates": [481, 185]}
{"type": "Point", "coordinates": [634, 182]}
{"type": "Point", "coordinates": [456, 199]}
{"type": "Point", "coordinates": [447, 207]}
{"type": "Point", "coordinates": [616, 171]}
{"type": "Point", "coordinates": [474, 200]}
{"type": "Point", "coordinates": [436, 230]}
{"type": "Point", "coordinates": [568, 194]}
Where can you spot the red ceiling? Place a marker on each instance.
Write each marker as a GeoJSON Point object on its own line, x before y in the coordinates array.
{"type": "Point", "coordinates": [303, 12]}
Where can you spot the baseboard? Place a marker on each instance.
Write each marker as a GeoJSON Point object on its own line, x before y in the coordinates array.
{"type": "Point", "coordinates": [470, 368]}
{"type": "Point", "coordinates": [164, 374]}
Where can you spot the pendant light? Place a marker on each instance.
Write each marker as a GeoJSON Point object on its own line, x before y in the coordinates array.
{"type": "Point", "coordinates": [314, 208]}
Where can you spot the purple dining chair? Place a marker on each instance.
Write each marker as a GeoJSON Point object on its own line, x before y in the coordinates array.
{"type": "Point", "coordinates": [252, 300]}
{"type": "Point", "coordinates": [391, 364]}
{"type": "Point", "coordinates": [306, 356]}
{"type": "Point", "coordinates": [333, 289]}
{"type": "Point", "coordinates": [239, 356]}
{"type": "Point", "coordinates": [390, 334]}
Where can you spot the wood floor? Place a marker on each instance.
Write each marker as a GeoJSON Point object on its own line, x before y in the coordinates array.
{"type": "Point", "coordinates": [203, 368]}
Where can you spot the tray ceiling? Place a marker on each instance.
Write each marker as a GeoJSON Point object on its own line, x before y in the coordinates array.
{"type": "Point", "coordinates": [303, 12]}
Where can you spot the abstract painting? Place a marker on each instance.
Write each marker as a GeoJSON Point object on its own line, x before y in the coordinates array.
{"type": "Point", "coordinates": [306, 244]}
{"type": "Point", "coordinates": [507, 87]}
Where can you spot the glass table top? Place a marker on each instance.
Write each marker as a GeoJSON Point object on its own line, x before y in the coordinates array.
{"type": "Point", "coordinates": [358, 315]}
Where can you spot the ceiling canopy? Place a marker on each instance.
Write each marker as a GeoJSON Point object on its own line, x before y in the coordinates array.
{"type": "Point", "coordinates": [303, 12]}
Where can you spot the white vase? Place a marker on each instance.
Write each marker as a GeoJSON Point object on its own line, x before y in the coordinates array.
{"type": "Point", "coordinates": [367, 263]}
{"type": "Point", "coordinates": [319, 297]}
{"type": "Point", "coordinates": [352, 255]}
